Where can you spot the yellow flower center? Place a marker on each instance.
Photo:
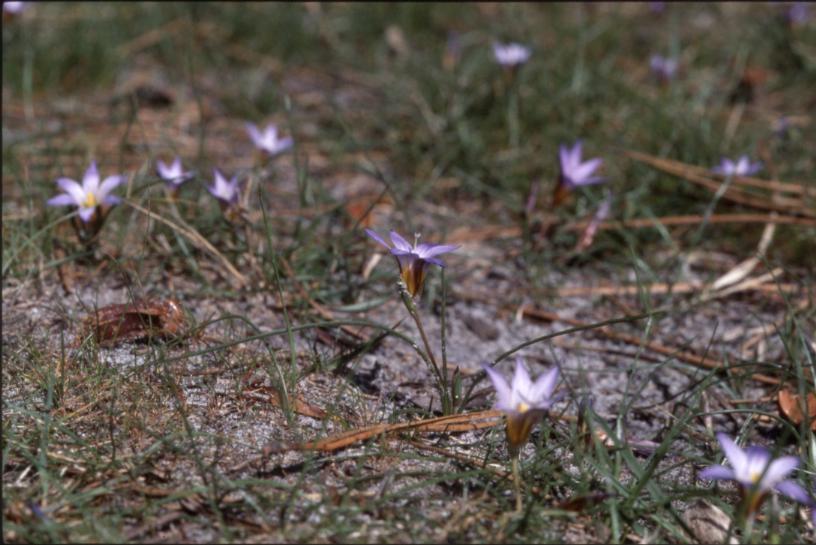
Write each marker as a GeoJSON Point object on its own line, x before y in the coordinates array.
{"type": "Point", "coordinates": [522, 407]}
{"type": "Point", "coordinates": [755, 475]}
{"type": "Point", "coordinates": [90, 201]}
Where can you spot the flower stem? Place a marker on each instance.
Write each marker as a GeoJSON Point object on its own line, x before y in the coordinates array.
{"type": "Point", "coordinates": [442, 380]}
{"type": "Point", "coordinates": [517, 481]}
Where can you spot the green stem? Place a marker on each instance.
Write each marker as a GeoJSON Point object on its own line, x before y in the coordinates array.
{"type": "Point", "coordinates": [517, 481]}
{"type": "Point", "coordinates": [443, 344]}
{"type": "Point", "coordinates": [442, 380]}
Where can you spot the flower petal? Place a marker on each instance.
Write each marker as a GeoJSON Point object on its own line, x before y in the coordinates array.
{"type": "Point", "coordinates": [111, 200]}
{"type": "Point", "coordinates": [717, 473]}
{"type": "Point", "coordinates": [753, 168]}
{"type": "Point", "coordinates": [373, 234]}
{"type": "Point", "coordinates": [284, 144]}
{"type": "Point", "coordinates": [563, 157]}
{"type": "Point", "coordinates": [521, 379]}
{"type": "Point", "coordinates": [90, 181]}
{"type": "Point", "coordinates": [399, 242]}
{"type": "Point", "coordinates": [63, 199]}
{"type": "Point", "coordinates": [544, 386]}
{"type": "Point", "coordinates": [72, 188]}
{"type": "Point", "coordinates": [254, 134]}
{"type": "Point", "coordinates": [504, 395]}
{"type": "Point", "coordinates": [164, 171]}
{"type": "Point", "coordinates": [431, 250]}
{"type": "Point", "coordinates": [735, 455]}
{"type": "Point", "coordinates": [108, 185]}
{"type": "Point", "coordinates": [585, 170]}
{"type": "Point", "coordinates": [794, 491]}
{"type": "Point", "coordinates": [575, 153]}
{"type": "Point", "coordinates": [87, 213]}
{"type": "Point", "coordinates": [743, 165]}
{"type": "Point", "coordinates": [778, 470]}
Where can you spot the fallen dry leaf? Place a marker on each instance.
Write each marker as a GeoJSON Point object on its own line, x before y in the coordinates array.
{"type": "Point", "coordinates": [157, 318]}
{"type": "Point", "coordinates": [790, 406]}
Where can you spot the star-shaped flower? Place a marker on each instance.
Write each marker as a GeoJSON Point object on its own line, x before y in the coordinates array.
{"type": "Point", "coordinates": [757, 474]}
{"type": "Point", "coordinates": [412, 259]}
{"type": "Point", "coordinates": [14, 7]}
{"type": "Point", "coordinates": [663, 67]}
{"type": "Point", "coordinates": [512, 54]}
{"type": "Point", "coordinates": [88, 196]}
{"type": "Point", "coordinates": [524, 401]}
{"type": "Point", "coordinates": [574, 172]}
{"type": "Point", "coordinates": [268, 140]}
{"type": "Point", "coordinates": [741, 167]}
{"type": "Point", "coordinates": [225, 191]}
{"type": "Point", "coordinates": [173, 174]}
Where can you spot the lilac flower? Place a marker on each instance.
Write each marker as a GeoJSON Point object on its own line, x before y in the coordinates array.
{"type": "Point", "coordinates": [742, 167]}
{"type": "Point", "coordinates": [223, 190]}
{"type": "Point", "coordinates": [511, 55]}
{"type": "Point", "coordinates": [524, 402]}
{"type": "Point", "coordinates": [664, 68]}
{"type": "Point", "coordinates": [88, 196]}
{"type": "Point", "coordinates": [173, 174]}
{"type": "Point", "coordinates": [412, 259]}
{"type": "Point", "coordinates": [268, 140]}
{"type": "Point", "coordinates": [657, 7]}
{"type": "Point", "coordinates": [13, 7]}
{"type": "Point", "coordinates": [756, 473]}
{"type": "Point", "coordinates": [797, 13]}
{"type": "Point", "coordinates": [574, 172]}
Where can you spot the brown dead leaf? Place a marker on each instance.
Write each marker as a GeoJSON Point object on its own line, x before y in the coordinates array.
{"type": "Point", "coordinates": [790, 406]}
{"type": "Point", "coordinates": [157, 318]}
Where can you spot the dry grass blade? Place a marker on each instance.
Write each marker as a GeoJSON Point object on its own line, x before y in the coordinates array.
{"type": "Point", "coordinates": [694, 219]}
{"type": "Point", "coordinates": [300, 405]}
{"type": "Point", "coordinates": [664, 288]}
{"type": "Point", "coordinates": [741, 271]}
{"type": "Point", "coordinates": [710, 362]}
{"type": "Point", "coordinates": [459, 422]}
{"type": "Point", "coordinates": [193, 236]}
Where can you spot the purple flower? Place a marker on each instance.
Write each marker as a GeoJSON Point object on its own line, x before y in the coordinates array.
{"type": "Point", "coordinates": [88, 196]}
{"type": "Point", "coordinates": [511, 54]}
{"type": "Point", "coordinates": [742, 167]}
{"type": "Point", "coordinates": [756, 472]}
{"type": "Point", "coordinates": [412, 259]}
{"type": "Point", "coordinates": [268, 140]}
{"type": "Point", "coordinates": [797, 13]}
{"type": "Point", "coordinates": [223, 190]}
{"type": "Point", "coordinates": [173, 174]}
{"type": "Point", "coordinates": [663, 67]}
{"type": "Point", "coordinates": [657, 7]}
{"type": "Point", "coordinates": [574, 172]}
{"type": "Point", "coordinates": [13, 7]}
{"type": "Point", "coordinates": [524, 401]}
